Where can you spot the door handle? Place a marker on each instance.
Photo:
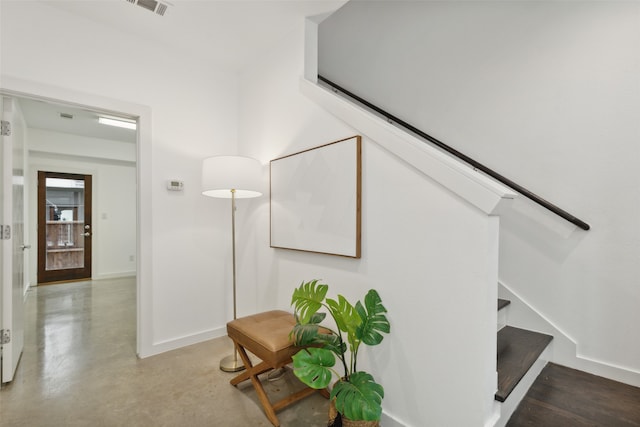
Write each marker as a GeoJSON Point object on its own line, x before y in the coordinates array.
{"type": "Point", "coordinates": [23, 247]}
{"type": "Point", "coordinates": [87, 234]}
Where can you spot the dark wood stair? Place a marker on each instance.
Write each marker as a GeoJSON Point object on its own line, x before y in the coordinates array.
{"type": "Point", "coordinates": [502, 303]}
{"type": "Point", "coordinates": [518, 349]}
{"type": "Point", "coordinates": [559, 396]}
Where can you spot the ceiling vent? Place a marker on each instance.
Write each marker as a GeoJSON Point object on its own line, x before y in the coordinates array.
{"type": "Point", "coordinates": [153, 5]}
{"type": "Point", "coordinates": [66, 116]}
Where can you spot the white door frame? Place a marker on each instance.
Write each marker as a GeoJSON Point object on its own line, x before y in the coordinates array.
{"type": "Point", "coordinates": [26, 89]}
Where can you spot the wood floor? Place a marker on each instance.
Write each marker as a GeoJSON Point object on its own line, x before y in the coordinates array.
{"type": "Point", "coordinates": [564, 397]}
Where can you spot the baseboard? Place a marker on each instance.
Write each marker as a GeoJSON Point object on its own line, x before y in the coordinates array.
{"type": "Point", "coordinates": [387, 420]}
{"type": "Point", "coordinates": [176, 343]}
{"type": "Point", "coordinates": [106, 276]}
{"type": "Point", "coordinates": [566, 350]}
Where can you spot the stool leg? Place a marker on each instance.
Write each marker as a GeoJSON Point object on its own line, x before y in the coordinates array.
{"type": "Point", "coordinates": [257, 370]}
{"type": "Point", "coordinates": [253, 372]}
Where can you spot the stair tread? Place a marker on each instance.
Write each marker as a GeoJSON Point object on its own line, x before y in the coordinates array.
{"type": "Point", "coordinates": [518, 349]}
{"type": "Point", "coordinates": [502, 303]}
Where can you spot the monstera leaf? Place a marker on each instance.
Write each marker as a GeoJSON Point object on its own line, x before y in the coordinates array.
{"type": "Point", "coordinates": [359, 398]}
{"type": "Point", "coordinates": [373, 319]}
{"type": "Point", "coordinates": [345, 314]}
{"type": "Point", "coordinates": [307, 333]}
{"type": "Point", "coordinates": [304, 335]}
{"type": "Point", "coordinates": [307, 299]}
{"type": "Point", "coordinates": [312, 366]}
{"type": "Point", "coordinates": [331, 342]}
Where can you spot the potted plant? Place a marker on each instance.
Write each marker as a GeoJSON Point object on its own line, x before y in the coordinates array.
{"type": "Point", "coordinates": [356, 395]}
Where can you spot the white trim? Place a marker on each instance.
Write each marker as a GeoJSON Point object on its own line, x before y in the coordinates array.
{"type": "Point", "coordinates": [520, 299]}
{"type": "Point", "coordinates": [387, 420]}
{"type": "Point", "coordinates": [120, 275]}
{"type": "Point", "coordinates": [481, 191]}
{"type": "Point", "coordinates": [311, 45]}
{"type": "Point", "coordinates": [28, 89]}
{"type": "Point", "coordinates": [175, 343]}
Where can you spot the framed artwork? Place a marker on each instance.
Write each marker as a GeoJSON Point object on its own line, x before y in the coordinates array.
{"type": "Point", "coordinates": [316, 201]}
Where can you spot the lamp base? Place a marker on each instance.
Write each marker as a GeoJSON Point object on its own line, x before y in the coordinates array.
{"type": "Point", "coordinates": [231, 364]}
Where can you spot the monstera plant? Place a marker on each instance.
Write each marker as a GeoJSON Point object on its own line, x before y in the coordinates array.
{"type": "Point", "coordinates": [356, 395]}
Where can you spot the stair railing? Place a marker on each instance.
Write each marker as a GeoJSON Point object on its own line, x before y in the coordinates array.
{"type": "Point", "coordinates": [473, 163]}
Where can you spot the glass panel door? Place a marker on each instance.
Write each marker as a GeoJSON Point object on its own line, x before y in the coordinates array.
{"type": "Point", "coordinates": [65, 213]}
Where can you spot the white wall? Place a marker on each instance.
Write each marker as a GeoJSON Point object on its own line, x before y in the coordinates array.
{"type": "Point", "coordinates": [547, 94]}
{"type": "Point", "coordinates": [114, 194]}
{"type": "Point", "coordinates": [427, 252]}
{"type": "Point", "coordinates": [193, 115]}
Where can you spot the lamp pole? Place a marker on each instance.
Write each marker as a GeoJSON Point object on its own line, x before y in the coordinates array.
{"type": "Point", "coordinates": [231, 363]}
{"type": "Point", "coordinates": [233, 247]}
{"type": "Point", "coordinates": [234, 177]}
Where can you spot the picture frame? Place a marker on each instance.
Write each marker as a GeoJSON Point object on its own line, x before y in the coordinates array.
{"type": "Point", "coordinates": [315, 199]}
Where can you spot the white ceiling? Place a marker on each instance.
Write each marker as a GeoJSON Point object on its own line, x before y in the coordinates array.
{"type": "Point", "coordinates": [223, 33]}
{"type": "Point", "coordinates": [44, 115]}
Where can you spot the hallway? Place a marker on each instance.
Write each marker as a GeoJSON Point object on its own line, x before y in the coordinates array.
{"type": "Point", "coordinates": [79, 368]}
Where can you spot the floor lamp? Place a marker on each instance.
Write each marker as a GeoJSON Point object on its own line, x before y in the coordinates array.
{"type": "Point", "coordinates": [231, 177]}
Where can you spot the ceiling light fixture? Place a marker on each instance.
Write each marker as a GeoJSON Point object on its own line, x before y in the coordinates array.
{"type": "Point", "coordinates": [122, 123]}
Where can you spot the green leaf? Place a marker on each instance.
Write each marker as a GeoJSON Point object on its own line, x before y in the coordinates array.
{"type": "Point", "coordinates": [360, 398]}
{"type": "Point", "coordinates": [310, 334]}
{"type": "Point", "coordinates": [311, 366]}
{"type": "Point", "coordinates": [317, 318]}
{"type": "Point", "coordinates": [307, 299]}
{"type": "Point", "coordinates": [304, 335]}
{"type": "Point", "coordinates": [331, 342]}
{"type": "Point", "coordinates": [345, 314]}
{"type": "Point", "coordinates": [373, 319]}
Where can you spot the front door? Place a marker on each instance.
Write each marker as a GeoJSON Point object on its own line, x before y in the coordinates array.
{"type": "Point", "coordinates": [64, 227]}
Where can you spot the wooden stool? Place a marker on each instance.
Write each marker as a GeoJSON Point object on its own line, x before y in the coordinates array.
{"type": "Point", "coordinates": [267, 336]}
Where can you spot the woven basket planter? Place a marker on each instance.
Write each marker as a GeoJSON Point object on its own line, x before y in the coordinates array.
{"type": "Point", "coordinates": [336, 420]}
{"type": "Point", "coordinates": [349, 423]}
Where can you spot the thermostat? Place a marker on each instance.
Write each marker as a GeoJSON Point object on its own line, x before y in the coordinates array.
{"type": "Point", "coordinates": [174, 185]}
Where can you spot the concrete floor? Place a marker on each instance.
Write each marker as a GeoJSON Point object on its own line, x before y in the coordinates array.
{"type": "Point", "coordinates": [79, 368]}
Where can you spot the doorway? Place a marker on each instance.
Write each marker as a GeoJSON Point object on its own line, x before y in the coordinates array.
{"type": "Point", "coordinates": [64, 226]}
{"type": "Point", "coordinates": [142, 145]}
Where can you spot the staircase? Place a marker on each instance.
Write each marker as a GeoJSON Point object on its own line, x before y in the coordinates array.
{"type": "Point", "coordinates": [522, 354]}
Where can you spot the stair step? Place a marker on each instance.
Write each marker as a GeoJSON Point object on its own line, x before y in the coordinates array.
{"type": "Point", "coordinates": [502, 303]}
{"type": "Point", "coordinates": [518, 349]}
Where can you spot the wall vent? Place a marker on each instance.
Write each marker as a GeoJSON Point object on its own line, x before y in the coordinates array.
{"type": "Point", "coordinates": [161, 9]}
{"type": "Point", "coordinates": [152, 5]}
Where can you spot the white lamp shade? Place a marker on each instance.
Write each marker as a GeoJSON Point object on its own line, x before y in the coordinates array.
{"type": "Point", "coordinates": [221, 174]}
